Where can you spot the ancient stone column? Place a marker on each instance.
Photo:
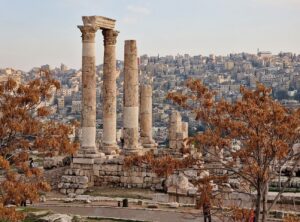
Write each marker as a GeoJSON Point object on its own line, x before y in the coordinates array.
{"type": "Point", "coordinates": [131, 99]}
{"type": "Point", "coordinates": [146, 117]}
{"type": "Point", "coordinates": [88, 112]}
{"type": "Point", "coordinates": [85, 163]}
{"type": "Point", "coordinates": [175, 131]}
{"type": "Point", "coordinates": [109, 143]}
{"type": "Point", "coordinates": [185, 129]}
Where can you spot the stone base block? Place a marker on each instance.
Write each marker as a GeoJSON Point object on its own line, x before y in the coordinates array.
{"type": "Point", "coordinates": [73, 184]}
{"type": "Point", "coordinates": [179, 145]}
{"type": "Point", "coordinates": [72, 172]}
{"type": "Point", "coordinates": [110, 149]}
{"type": "Point", "coordinates": [172, 135]}
{"type": "Point", "coordinates": [174, 190]}
{"type": "Point", "coordinates": [150, 145]}
{"type": "Point", "coordinates": [172, 144]}
{"type": "Point", "coordinates": [83, 160]}
{"type": "Point", "coordinates": [128, 152]}
{"type": "Point", "coordinates": [88, 155]}
{"type": "Point", "coordinates": [87, 150]}
{"type": "Point", "coordinates": [180, 136]}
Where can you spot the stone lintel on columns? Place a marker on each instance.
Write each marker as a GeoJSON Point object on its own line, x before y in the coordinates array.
{"type": "Point", "coordinates": [99, 22]}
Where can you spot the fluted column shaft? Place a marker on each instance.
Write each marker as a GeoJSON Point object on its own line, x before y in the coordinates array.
{"type": "Point", "coordinates": [88, 112]}
{"type": "Point", "coordinates": [109, 91]}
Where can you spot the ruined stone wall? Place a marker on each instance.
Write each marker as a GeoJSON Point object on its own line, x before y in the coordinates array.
{"type": "Point", "coordinates": [74, 181]}
{"type": "Point", "coordinates": [53, 176]}
{"type": "Point", "coordinates": [111, 172]}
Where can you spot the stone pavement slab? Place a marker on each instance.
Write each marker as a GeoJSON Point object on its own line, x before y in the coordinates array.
{"type": "Point", "coordinates": [125, 213]}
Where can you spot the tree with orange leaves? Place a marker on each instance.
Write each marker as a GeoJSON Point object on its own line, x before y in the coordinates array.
{"type": "Point", "coordinates": [266, 130]}
{"type": "Point", "coordinates": [165, 165]}
{"type": "Point", "coordinates": [291, 218]}
{"type": "Point", "coordinates": [25, 127]}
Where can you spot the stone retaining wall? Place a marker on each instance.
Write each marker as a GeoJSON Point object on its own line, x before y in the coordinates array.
{"type": "Point", "coordinates": [74, 181]}
{"type": "Point", "coordinates": [111, 172]}
{"type": "Point", "coordinates": [53, 176]}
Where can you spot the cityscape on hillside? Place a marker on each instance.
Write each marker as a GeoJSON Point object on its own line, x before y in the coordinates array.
{"type": "Point", "coordinates": [190, 113]}
{"type": "Point", "coordinates": [222, 74]}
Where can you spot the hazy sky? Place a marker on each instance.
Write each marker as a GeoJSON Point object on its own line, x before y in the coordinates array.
{"type": "Point", "coordinates": [37, 32]}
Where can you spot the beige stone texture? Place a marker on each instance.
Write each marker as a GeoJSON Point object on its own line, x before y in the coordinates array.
{"type": "Point", "coordinates": [136, 180]}
{"type": "Point", "coordinates": [131, 98]}
{"type": "Point", "coordinates": [109, 91]}
{"type": "Point", "coordinates": [88, 119]}
{"type": "Point", "coordinates": [131, 136]}
{"type": "Point", "coordinates": [110, 168]}
{"type": "Point", "coordinates": [99, 22]}
{"type": "Point", "coordinates": [179, 144]}
{"type": "Point", "coordinates": [88, 49]}
{"type": "Point", "coordinates": [88, 92]}
{"type": "Point", "coordinates": [130, 117]}
{"type": "Point", "coordinates": [109, 132]}
{"type": "Point", "coordinates": [180, 136]}
{"type": "Point", "coordinates": [175, 117]}
{"type": "Point", "coordinates": [172, 135]}
{"type": "Point", "coordinates": [172, 144]}
{"type": "Point", "coordinates": [88, 136]}
{"type": "Point", "coordinates": [131, 82]}
{"type": "Point", "coordinates": [176, 131]}
{"type": "Point", "coordinates": [185, 129]}
{"type": "Point", "coordinates": [83, 161]}
{"type": "Point", "coordinates": [88, 33]}
{"type": "Point", "coordinates": [146, 117]}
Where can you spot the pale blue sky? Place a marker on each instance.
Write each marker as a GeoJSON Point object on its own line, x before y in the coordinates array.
{"type": "Point", "coordinates": [37, 32]}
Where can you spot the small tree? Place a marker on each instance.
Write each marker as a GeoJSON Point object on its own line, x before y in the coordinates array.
{"type": "Point", "coordinates": [266, 130]}
{"type": "Point", "coordinates": [163, 166]}
{"type": "Point", "coordinates": [25, 127]}
{"type": "Point", "coordinates": [291, 218]}
{"type": "Point", "coordinates": [166, 165]}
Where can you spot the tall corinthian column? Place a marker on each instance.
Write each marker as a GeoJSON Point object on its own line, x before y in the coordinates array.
{"type": "Point", "coordinates": [88, 112]}
{"type": "Point", "coordinates": [131, 99]}
{"type": "Point", "coordinates": [109, 143]}
{"type": "Point", "coordinates": [146, 116]}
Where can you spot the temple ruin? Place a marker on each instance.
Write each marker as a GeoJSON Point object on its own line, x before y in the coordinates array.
{"type": "Point", "coordinates": [104, 165]}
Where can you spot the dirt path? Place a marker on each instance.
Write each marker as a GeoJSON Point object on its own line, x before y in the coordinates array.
{"type": "Point", "coordinates": [126, 213]}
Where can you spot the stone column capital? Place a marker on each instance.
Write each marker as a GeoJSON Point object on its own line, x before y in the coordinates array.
{"type": "Point", "coordinates": [110, 36]}
{"type": "Point", "coordinates": [88, 33]}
